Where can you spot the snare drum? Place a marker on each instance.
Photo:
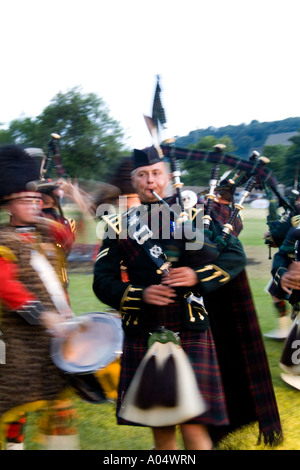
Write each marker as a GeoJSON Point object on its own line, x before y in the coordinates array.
{"type": "Point", "coordinates": [94, 344]}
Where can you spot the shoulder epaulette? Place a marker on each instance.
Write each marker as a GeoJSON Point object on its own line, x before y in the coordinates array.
{"type": "Point", "coordinates": [114, 221]}
{"type": "Point", "coordinates": [72, 224]}
{"type": "Point", "coordinates": [7, 254]}
{"type": "Point", "coordinates": [211, 272]}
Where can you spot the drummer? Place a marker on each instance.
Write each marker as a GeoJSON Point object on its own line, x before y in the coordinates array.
{"type": "Point", "coordinates": [32, 296]}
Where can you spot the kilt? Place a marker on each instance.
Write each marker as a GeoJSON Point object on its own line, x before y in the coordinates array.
{"type": "Point", "coordinates": [200, 349]}
{"type": "Point", "coordinates": [29, 374]}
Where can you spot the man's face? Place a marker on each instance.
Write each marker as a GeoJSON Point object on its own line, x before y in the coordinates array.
{"type": "Point", "coordinates": [154, 177]}
{"type": "Point", "coordinates": [24, 210]}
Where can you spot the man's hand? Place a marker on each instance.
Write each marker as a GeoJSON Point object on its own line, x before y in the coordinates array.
{"type": "Point", "coordinates": [182, 276]}
{"type": "Point", "coordinates": [291, 278]}
{"type": "Point", "coordinates": [157, 294]}
{"type": "Point", "coordinates": [54, 323]}
{"type": "Point", "coordinates": [164, 294]}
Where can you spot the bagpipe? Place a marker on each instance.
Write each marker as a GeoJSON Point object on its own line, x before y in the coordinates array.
{"type": "Point", "coordinates": [52, 154]}
{"type": "Point", "coordinates": [279, 223]}
{"type": "Point", "coordinates": [45, 184]}
{"type": "Point", "coordinates": [245, 168]}
{"type": "Point", "coordinates": [252, 173]}
{"type": "Point", "coordinates": [51, 187]}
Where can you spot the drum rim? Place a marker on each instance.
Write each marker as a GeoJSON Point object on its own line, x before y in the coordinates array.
{"type": "Point", "coordinates": [73, 368]}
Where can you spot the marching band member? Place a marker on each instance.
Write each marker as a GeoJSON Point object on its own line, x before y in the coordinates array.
{"type": "Point", "coordinates": [155, 301]}
{"type": "Point", "coordinates": [285, 286]}
{"type": "Point", "coordinates": [278, 230]}
{"type": "Point", "coordinates": [224, 203]}
{"type": "Point", "coordinates": [32, 295]}
{"type": "Point", "coordinates": [285, 268]}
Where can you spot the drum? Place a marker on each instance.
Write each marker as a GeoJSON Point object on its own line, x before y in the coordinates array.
{"type": "Point", "coordinates": [94, 342]}
{"type": "Point", "coordinates": [290, 357]}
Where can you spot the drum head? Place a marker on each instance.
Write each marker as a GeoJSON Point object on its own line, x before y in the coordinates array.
{"type": "Point", "coordinates": [93, 344]}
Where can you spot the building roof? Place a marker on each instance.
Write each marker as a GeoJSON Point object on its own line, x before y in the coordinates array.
{"type": "Point", "coordinates": [280, 139]}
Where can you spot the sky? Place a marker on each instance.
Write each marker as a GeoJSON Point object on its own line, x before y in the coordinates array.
{"type": "Point", "coordinates": [220, 62]}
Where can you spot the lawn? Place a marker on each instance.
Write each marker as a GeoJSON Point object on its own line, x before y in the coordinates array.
{"type": "Point", "coordinates": [97, 424]}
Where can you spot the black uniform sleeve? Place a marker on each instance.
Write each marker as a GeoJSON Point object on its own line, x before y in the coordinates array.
{"type": "Point", "coordinates": [108, 284]}
{"type": "Point", "coordinates": [281, 262]}
{"type": "Point", "coordinates": [230, 262]}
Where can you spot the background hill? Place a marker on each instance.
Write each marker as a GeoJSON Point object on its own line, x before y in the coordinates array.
{"type": "Point", "coordinates": [245, 137]}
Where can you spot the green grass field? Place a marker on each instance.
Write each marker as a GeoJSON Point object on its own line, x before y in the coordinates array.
{"type": "Point", "coordinates": [97, 423]}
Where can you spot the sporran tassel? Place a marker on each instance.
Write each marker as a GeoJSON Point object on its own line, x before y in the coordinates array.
{"type": "Point", "coordinates": [146, 393]}
{"type": "Point", "coordinates": [168, 387]}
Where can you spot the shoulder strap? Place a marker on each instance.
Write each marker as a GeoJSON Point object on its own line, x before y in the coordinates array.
{"type": "Point", "coordinates": [142, 234]}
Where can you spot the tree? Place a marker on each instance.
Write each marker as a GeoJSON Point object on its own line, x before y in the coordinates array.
{"type": "Point", "coordinates": [90, 139]}
{"type": "Point", "coordinates": [277, 156]}
{"type": "Point", "coordinates": [245, 137]}
{"type": "Point", "coordinates": [5, 136]}
{"type": "Point", "coordinates": [292, 160]}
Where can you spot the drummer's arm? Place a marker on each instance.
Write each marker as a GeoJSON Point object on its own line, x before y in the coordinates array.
{"type": "Point", "coordinates": [14, 295]}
